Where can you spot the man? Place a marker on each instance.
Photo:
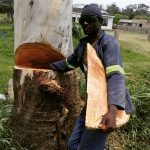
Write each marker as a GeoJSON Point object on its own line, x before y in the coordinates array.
{"type": "Point", "coordinates": [108, 52]}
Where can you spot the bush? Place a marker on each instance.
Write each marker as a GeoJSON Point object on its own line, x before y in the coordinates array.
{"type": "Point", "coordinates": [77, 30]}
{"type": "Point", "coordinates": [118, 17]}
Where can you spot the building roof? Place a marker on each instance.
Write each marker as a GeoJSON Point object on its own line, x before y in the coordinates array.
{"type": "Point", "coordinates": [77, 10]}
{"type": "Point", "coordinates": [141, 21]}
{"type": "Point", "coordinates": [126, 21]}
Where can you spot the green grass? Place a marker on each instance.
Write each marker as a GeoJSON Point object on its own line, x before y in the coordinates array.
{"type": "Point", "coordinates": [136, 134]}
{"type": "Point", "coordinates": [6, 55]}
{"type": "Point", "coordinates": [133, 41]}
{"type": "Point", "coordinates": [135, 62]}
{"type": "Point", "coordinates": [2, 16]}
{"type": "Point", "coordinates": [5, 132]}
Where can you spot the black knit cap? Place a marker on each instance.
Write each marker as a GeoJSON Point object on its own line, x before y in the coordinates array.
{"type": "Point", "coordinates": [91, 10]}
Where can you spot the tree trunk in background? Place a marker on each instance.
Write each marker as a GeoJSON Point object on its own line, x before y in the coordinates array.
{"type": "Point", "coordinates": [11, 10]}
{"type": "Point", "coordinates": [148, 37]}
{"type": "Point", "coordinates": [48, 21]}
{"type": "Point", "coordinates": [116, 34]}
{"type": "Point", "coordinates": [46, 103]}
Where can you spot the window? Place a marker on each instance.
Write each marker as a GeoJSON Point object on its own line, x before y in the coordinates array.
{"type": "Point", "coordinates": [105, 21]}
{"type": "Point", "coordinates": [73, 19]}
{"type": "Point", "coordinates": [140, 25]}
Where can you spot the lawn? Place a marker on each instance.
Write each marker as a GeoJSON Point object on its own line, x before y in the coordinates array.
{"type": "Point", "coordinates": [135, 51]}
{"type": "Point", "coordinates": [135, 42]}
{"type": "Point", "coordinates": [2, 16]}
{"type": "Point", "coordinates": [6, 55]}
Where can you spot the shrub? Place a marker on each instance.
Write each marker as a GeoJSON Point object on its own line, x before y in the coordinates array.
{"type": "Point", "coordinates": [77, 30]}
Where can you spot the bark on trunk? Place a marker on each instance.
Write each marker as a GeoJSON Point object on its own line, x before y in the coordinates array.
{"type": "Point", "coordinates": [45, 107]}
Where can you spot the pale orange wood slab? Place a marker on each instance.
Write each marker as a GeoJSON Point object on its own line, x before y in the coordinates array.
{"type": "Point", "coordinates": [97, 92]}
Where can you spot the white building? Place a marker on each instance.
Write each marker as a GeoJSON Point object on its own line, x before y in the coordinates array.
{"type": "Point", "coordinates": [125, 22]}
{"type": "Point", "coordinates": [107, 19]}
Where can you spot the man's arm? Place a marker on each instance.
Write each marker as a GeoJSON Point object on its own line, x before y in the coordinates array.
{"type": "Point", "coordinates": [68, 64]}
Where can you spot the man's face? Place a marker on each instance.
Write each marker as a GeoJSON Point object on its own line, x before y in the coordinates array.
{"type": "Point", "coordinates": [90, 24]}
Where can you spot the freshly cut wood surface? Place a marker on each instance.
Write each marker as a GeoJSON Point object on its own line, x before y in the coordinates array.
{"type": "Point", "coordinates": [37, 55]}
{"type": "Point", "coordinates": [96, 89]}
{"type": "Point", "coordinates": [97, 92]}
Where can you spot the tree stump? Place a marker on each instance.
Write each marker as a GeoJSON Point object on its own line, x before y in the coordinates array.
{"type": "Point", "coordinates": [46, 103]}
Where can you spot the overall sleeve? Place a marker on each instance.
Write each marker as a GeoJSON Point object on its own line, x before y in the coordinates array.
{"type": "Point", "coordinates": [68, 64]}
{"type": "Point", "coordinates": [114, 73]}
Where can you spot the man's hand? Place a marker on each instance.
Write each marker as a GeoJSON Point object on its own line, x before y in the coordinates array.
{"type": "Point", "coordinates": [108, 122]}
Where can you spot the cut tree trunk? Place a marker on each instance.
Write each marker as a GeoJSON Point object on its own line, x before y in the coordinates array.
{"type": "Point", "coordinates": [46, 103]}
{"type": "Point", "coordinates": [45, 108]}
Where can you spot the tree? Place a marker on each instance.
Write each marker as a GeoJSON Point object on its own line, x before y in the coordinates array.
{"type": "Point", "coordinates": [129, 10]}
{"type": "Point", "coordinates": [113, 9]}
{"type": "Point", "coordinates": [7, 7]}
{"type": "Point", "coordinates": [46, 102]}
{"type": "Point", "coordinates": [118, 17]}
{"type": "Point", "coordinates": [136, 10]}
{"type": "Point", "coordinates": [142, 10]}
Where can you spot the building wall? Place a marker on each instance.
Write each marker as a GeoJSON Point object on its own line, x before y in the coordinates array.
{"type": "Point", "coordinates": [108, 21]}
{"type": "Point", "coordinates": [75, 17]}
{"type": "Point", "coordinates": [141, 23]}
{"type": "Point", "coordinates": [109, 24]}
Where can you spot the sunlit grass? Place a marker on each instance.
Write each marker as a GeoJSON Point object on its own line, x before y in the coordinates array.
{"type": "Point", "coordinates": [6, 55]}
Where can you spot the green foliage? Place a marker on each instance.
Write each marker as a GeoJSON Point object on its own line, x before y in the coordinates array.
{"type": "Point", "coordinates": [118, 17]}
{"type": "Point", "coordinates": [4, 8]}
{"type": "Point", "coordinates": [77, 31]}
{"type": "Point", "coordinates": [82, 85]}
{"type": "Point", "coordinates": [136, 10]}
{"type": "Point", "coordinates": [113, 9]}
{"type": "Point", "coordinates": [142, 17]}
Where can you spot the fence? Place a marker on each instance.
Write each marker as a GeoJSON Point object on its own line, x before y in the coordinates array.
{"type": "Point", "coordinates": [134, 29]}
